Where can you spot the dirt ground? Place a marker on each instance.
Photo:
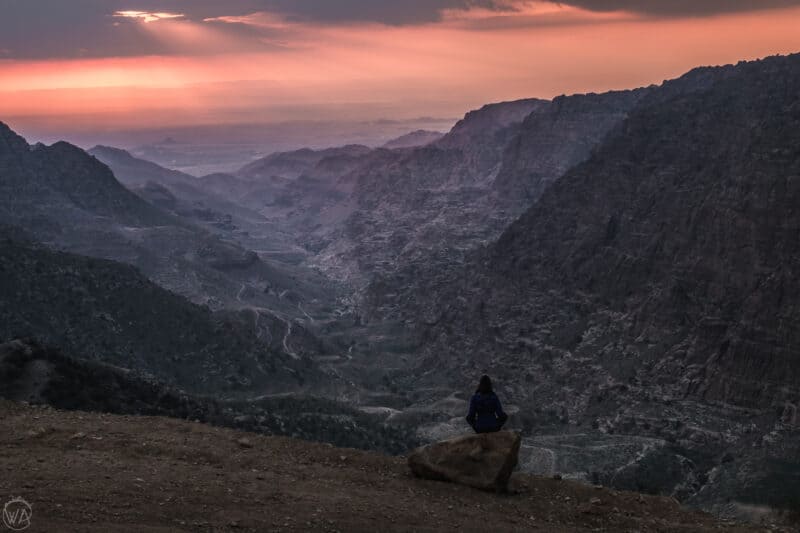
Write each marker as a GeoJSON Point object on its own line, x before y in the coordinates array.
{"type": "Point", "coordinates": [106, 473]}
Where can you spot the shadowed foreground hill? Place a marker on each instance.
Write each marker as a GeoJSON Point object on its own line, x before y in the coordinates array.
{"type": "Point", "coordinates": [92, 472]}
{"type": "Point", "coordinates": [37, 375]}
{"type": "Point", "coordinates": [109, 312]}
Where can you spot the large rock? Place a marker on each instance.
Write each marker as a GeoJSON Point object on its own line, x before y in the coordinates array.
{"type": "Point", "coordinates": [482, 461]}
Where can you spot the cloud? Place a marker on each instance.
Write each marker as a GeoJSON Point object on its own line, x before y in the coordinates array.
{"type": "Point", "coordinates": [46, 29]}
{"type": "Point", "coordinates": [358, 69]}
{"type": "Point", "coordinates": [391, 13]}
{"type": "Point", "coordinates": [148, 16]}
{"type": "Point", "coordinates": [679, 8]}
{"type": "Point", "coordinates": [50, 29]}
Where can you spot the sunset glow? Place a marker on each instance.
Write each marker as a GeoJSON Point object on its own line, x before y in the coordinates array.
{"type": "Point", "coordinates": [208, 68]}
{"type": "Point", "coordinates": [147, 16]}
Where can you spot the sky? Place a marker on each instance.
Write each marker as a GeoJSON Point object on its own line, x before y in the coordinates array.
{"type": "Point", "coordinates": [72, 64]}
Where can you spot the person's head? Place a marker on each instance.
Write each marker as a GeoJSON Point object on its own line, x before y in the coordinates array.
{"type": "Point", "coordinates": [485, 385]}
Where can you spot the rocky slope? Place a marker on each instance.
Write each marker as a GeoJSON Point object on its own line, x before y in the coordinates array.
{"type": "Point", "coordinates": [184, 196]}
{"type": "Point", "coordinates": [70, 201]}
{"type": "Point", "coordinates": [414, 139]}
{"type": "Point", "coordinates": [649, 296]}
{"type": "Point", "coordinates": [102, 472]}
{"type": "Point", "coordinates": [405, 204]}
{"type": "Point", "coordinates": [109, 312]}
{"type": "Point", "coordinates": [214, 202]}
{"type": "Point", "coordinates": [431, 203]}
{"type": "Point", "coordinates": [416, 214]}
{"type": "Point", "coordinates": [360, 212]}
{"type": "Point", "coordinates": [38, 179]}
{"type": "Point", "coordinates": [434, 202]}
{"type": "Point", "coordinates": [292, 165]}
{"type": "Point", "coordinates": [555, 138]}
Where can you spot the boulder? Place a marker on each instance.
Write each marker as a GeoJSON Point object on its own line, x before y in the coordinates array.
{"type": "Point", "coordinates": [483, 461]}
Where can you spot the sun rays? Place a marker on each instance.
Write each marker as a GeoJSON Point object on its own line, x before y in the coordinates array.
{"type": "Point", "coordinates": [148, 16]}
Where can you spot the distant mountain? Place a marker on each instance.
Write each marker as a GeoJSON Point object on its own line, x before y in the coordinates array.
{"type": "Point", "coordinates": [198, 200]}
{"type": "Point", "coordinates": [414, 139]}
{"type": "Point", "coordinates": [35, 180]}
{"type": "Point", "coordinates": [253, 195]}
{"type": "Point", "coordinates": [295, 193]}
{"type": "Point", "coordinates": [69, 200]}
{"type": "Point", "coordinates": [650, 293]}
{"type": "Point", "coordinates": [72, 201]}
{"type": "Point", "coordinates": [291, 165]}
{"type": "Point", "coordinates": [361, 212]}
{"type": "Point", "coordinates": [136, 172]}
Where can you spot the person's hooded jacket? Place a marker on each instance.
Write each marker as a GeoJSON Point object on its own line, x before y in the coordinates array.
{"type": "Point", "coordinates": [485, 413]}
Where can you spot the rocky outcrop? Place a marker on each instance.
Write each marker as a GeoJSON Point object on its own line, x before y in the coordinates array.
{"type": "Point", "coordinates": [483, 461]}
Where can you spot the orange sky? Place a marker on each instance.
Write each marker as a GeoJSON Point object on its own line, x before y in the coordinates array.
{"type": "Point", "coordinates": [305, 70]}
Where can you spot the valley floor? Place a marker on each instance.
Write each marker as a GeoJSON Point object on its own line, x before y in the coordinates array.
{"type": "Point", "coordinates": [96, 472]}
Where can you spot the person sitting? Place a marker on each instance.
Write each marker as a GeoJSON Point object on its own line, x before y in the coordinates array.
{"type": "Point", "coordinates": [485, 411]}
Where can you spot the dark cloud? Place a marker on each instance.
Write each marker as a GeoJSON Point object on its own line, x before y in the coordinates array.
{"type": "Point", "coordinates": [677, 8]}
{"type": "Point", "coordinates": [87, 28]}
{"type": "Point", "coordinates": [34, 29]}
{"type": "Point", "coordinates": [386, 12]}
{"type": "Point", "coordinates": [41, 29]}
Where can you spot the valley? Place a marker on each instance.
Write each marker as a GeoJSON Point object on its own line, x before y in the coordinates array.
{"type": "Point", "coordinates": [622, 264]}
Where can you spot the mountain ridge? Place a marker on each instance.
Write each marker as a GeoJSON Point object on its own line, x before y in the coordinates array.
{"type": "Point", "coordinates": [652, 287]}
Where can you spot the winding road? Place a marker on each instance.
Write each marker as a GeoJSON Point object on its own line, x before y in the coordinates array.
{"type": "Point", "coordinates": [257, 318]}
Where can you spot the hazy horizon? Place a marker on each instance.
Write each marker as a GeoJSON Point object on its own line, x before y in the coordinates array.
{"type": "Point", "coordinates": [101, 67]}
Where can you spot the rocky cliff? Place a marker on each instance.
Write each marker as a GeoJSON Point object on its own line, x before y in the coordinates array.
{"type": "Point", "coordinates": [554, 138]}
{"type": "Point", "coordinates": [651, 291]}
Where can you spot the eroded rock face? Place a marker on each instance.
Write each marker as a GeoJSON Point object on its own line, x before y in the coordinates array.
{"type": "Point", "coordinates": [647, 294]}
{"type": "Point", "coordinates": [482, 461]}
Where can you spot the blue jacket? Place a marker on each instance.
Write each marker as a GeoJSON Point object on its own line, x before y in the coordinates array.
{"type": "Point", "coordinates": [485, 413]}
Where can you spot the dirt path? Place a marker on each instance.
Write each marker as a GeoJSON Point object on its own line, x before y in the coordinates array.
{"type": "Point", "coordinates": [94, 472]}
{"type": "Point", "coordinates": [258, 330]}
{"type": "Point", "coordinates": [309, 317]}
{"type": "Point", "coordinates": [286, 339]}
